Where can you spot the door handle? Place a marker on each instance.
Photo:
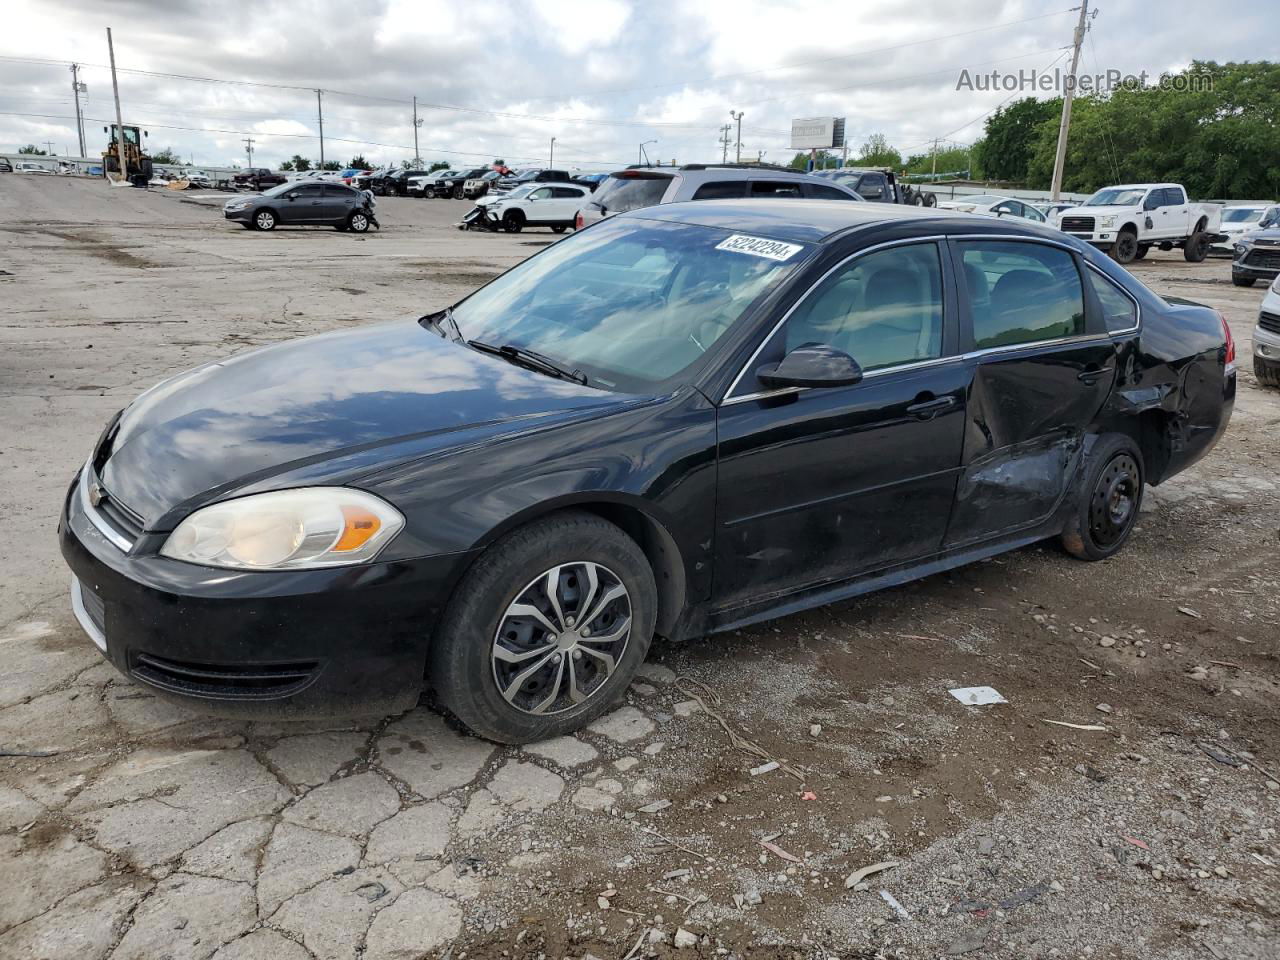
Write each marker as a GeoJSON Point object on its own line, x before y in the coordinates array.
{"type": "Point", "coordinates": [928, 409]}
{"type": "Point", "coordinates": [1092, 376]}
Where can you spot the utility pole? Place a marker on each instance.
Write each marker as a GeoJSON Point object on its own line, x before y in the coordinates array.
{"type": "Point", "coordinates": [78, 88]}
{"type": "Point", "coordinates": [1060, 157]}
{"type": "Point", "coordinates": [320, 116]}
{"type": "Point", "coordinates": [935, 157]}
{"type": "Point", "coordinates": [115, 90]}
{"type": "Point", "coordinates": [417, 157]}
{"type": "Point", "coordinates": [737, 156]}
{"type": "Point", "coordinates": [49, 144]}
{"type": "Point", "coordinates": [640, 155]}
{"type": "Point", "coordinates": [724, 142]}
{"type": "Point", "coordinates": [552, 161]}
{"type": "Point", "coordinates": [248, 148]}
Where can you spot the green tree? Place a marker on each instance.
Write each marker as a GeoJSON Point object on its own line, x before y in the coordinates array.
{"type": "Point", "coordinates": [359, 161]}
{"type": "Point", "coordinates": [437, 165]}
{"type": "Point", "coordinates": [165, 155]}
{"type": "Point", "coordinates": [286, 166]}
{"type": "Point", "coordinates": [331, 165]}
{"type": "Point", "coordinates": [876, 152]}
{"type": "Point", "coordinates": [32, 150]}
{"type": "Point", "coordinates": [1013, 135]}
{"type": "Point", "coordinates": [300, 163]}
{"type": "Point", "coordinates": [953, 160]}
{"type": "Point", "coordinates": [822, 158]}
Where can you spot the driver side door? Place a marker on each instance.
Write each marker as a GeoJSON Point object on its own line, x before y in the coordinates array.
{"type": "Point", "coordinates": [819, 485]}
{"type": "Point", "coordinates": [302, 204]}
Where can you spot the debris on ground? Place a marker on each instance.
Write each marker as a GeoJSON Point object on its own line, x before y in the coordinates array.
{"type": "Point", "coordinates": [977, 696]}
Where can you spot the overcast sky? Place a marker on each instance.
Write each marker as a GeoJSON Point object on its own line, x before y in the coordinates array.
{"type": "Point", "coordinates": [601, 76]}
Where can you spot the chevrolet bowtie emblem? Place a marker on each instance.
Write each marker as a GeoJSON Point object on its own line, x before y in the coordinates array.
{"type": "Point", "coordinates": [96, 494]}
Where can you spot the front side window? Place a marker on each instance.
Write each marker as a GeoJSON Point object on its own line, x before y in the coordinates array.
{"type": "Point", "coordinates": [543, 193]}
{"type": "Point", "coordinates": [630, 302]}
{"type": "Point", "coordinates": [883, 309]}
{"type": "Point", "coordinates": [820, 191]}
{"type": "Point", "coordinates": [774, 188]}
{"type": "Point", "coordinates": [1120, 312]}
{"type": "Point", "coordinates": [1021, 293]}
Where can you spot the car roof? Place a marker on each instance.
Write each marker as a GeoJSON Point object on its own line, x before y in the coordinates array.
{"type": "Point", "coordinates": [799, 221]}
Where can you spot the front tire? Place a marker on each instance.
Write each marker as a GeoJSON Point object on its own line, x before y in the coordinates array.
{"type": "Point", "coordinates": [1243, 281]}
{"type": "Point", "coordinates": [1109, 498]}
{"type": "Point", "coordinates": [513, 222]}
{"type": "Point", "coordinates": [428, 193]}
{"type": "Point", "coordinates": [1125, 249]}
{"type": "Point", "coordinates": [546, 631]}
{"type": "Point", "coordinates": [264, 220]}
{"type": "Point", "coordinates": [457, 193]}
{"type": "Point", "coordinates": [1268, 374]}
{"type": "Point", "coordinates": [1143, 250]}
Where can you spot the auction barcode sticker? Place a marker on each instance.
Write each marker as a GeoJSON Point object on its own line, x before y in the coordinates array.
{"type": "Point", "coordinates": [760, 247]}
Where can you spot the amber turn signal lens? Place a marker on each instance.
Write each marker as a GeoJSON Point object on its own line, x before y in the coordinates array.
{"type": "Point", "coordinates": [359, 526]}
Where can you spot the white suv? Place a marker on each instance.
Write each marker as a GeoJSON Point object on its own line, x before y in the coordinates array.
{"type": "Point", "coordinates": [1266, 338]}
{"type": "Point", "coordinates": [553, 205]}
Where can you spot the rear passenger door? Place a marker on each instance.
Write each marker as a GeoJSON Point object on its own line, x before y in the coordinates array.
{"type": "Point", "coordinates": [1042, 366]}
{"type": "Point", "coordinates": [339, 201]}
{"type": "Point", "coordinates": [567, 202]}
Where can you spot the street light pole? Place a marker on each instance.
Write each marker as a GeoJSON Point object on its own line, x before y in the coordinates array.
{"type": "Point", "coordinates": [76, 88]}
{"type": "Point", "coordinates": [737, 154]}
{"type": "Point", "coordinates": [640, 156]}
{"type": "Point", "coordinates": [552, 161]}
{"type": "Point", "coordinates": [320, 117]}
{"type": "Point", "coordinates": [1064, 125]}
{"type": "Point", "coordinates": [417, 157]}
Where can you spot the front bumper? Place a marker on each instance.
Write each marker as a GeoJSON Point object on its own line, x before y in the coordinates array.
{"type": "Point", "coordinates": [289, 644]}
{"type": "Point", "coordinates": [1249, 271]}
{"type": "Point", "coordinates": [1266, 345]}
{"type": "Point", "coordinates": [239, 216]}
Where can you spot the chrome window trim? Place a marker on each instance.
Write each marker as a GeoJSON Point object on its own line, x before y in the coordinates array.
{"type": "Point", "coordinates": [728, 396]}
{"type": "Point", "coordinates": [116, 539]}
{"type": "Point", "coordinates": [82, 615]}
{"type": "Point", "coordinates": [1137, 307]}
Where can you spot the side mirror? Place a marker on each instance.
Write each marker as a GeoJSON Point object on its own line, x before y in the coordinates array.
{"type": "Point", "coordinates": [293, 196]}
{"type": "Point", "coordinates": [1150, 203]}
{"type": "Point", "coordinates": [811, 365]}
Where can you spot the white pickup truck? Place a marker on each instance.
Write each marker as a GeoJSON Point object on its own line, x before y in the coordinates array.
{"type": "Point", "coordinates": [1130, 219]}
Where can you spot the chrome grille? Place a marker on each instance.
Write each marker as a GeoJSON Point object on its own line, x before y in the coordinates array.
{"type": "Point", "coordinates": [1269, 322]}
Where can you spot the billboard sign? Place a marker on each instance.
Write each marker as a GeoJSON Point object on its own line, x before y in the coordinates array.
{"type": "Point", "coordinates": [817, 133]}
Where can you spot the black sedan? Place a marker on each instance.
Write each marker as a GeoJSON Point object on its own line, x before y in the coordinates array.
{"type": "Point", "coordinates": [676, 422]}
{"type": "Point", "coordinates": [306, 203]}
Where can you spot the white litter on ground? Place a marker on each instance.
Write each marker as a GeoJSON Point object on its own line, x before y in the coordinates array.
{"type": "Point", "coordinates": [977, 696]}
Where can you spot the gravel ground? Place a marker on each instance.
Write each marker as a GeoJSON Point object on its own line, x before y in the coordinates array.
{"type": "Point", "coordinates": [147, 830]}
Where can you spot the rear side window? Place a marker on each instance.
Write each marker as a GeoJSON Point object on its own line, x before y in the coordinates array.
{"type": "Point", "coordinates": [1021, 293]}
{"type": "Point", "coordinates": [720, 190]}
{"type": "Point", "coordinates": [872, 186]}
{"type": "Point", "coordinates": [883, 309]}
{"type": "Point", "coordinates": [1174, 197]}
{"type": "Point", "coordinates": [1118, 310]}
{"type": "Point", "coordinates": [566, 193]}
{"type": "Point", "coordinates": [621, 194]}
{"type": "Point", "coordinates": [334, 190]}
{"type": "Point", "coordinates": [774, 188]}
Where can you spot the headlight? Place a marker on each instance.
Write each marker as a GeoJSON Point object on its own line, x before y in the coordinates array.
{"type": "Point", "coordinates": [1240, 248]}
{"type": "Point", "coordinates": [286, 530]}
{"type": "Point", "coordinates": [1107, 222]}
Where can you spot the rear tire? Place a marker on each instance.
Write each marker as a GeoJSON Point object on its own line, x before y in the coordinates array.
{"type": "Point", "coordinates": [1268, 374]}
{"type": "Point", "coordinates": [358, 222]}
{"type": "Point", "coordinates": [559, 228]}
{"type": "Point", "coordinates": [1196, 248]}
{"type": "Point", "coordinates": [457, 193]}
{"type": "Point", "coordinates": [485, 639]}
{"type": "Point", "coordinates": [1244, 281]}
{"type": "Point", "coordinates": [1108, 499]}
{"type": "Point", "coordinates": [1125, 249]}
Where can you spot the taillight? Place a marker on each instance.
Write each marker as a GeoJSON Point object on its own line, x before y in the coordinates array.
{"type": "Point", "coordinates": [1230, 365]}
{"type": "Point", "coordinates": [577, 221]}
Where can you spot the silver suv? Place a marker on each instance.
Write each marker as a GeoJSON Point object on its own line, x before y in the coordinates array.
{"type": "Point", "coordinates": [638, 187]}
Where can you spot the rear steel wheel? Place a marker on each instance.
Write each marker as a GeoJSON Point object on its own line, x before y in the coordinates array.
{"type": "Point", "coordinates": [1110, 496]}
{"type": "Point", "coordinates": [1113, 505]}
{"type": "Point", "coordinates": [562, 638]}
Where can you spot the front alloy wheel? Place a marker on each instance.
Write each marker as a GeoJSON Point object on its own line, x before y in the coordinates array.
{"type": "Point", "coordinates": [562, 638]}
{"type": "Point", "coordinates": [264, 220]}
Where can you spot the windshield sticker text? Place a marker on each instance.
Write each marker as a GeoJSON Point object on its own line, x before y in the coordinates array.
{"type": "Point", "coordinates": [759, 247]}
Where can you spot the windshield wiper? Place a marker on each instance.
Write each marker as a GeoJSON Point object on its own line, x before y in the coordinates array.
{"type": "Point", "coordinates": [448, 328]}
{"type": "Point", "coordinates": [529, 359]}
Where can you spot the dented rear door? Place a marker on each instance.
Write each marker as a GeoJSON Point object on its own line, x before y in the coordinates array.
{"type": "Point", "coordinates": [1040, 373]}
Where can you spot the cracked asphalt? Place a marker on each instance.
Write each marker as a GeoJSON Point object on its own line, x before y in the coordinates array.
{"type": "Point", "coordinates": [133, 828]}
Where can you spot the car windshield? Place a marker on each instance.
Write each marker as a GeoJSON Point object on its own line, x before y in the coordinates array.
{"type": "Point", "coordinates": [519, 192]}
{"type": "Point", "coordinates": [631, 303]}
{"type": "Point", "coordinates": [528, 175]}
{"type": "Point", "coordinates": [1115, 197]}
{"type": "Point", "coordinates": [491, 175]}
{"type": "Point", "coordinates": [1241, 215]}
{"type": "Point", "coordinates": [981, 199]}
{"type": "Point", "coordinates": [619, 194]}
{"type": "Point", "coordinates": [280, 189]}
